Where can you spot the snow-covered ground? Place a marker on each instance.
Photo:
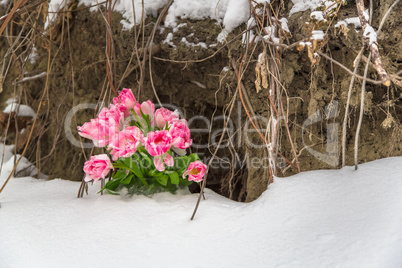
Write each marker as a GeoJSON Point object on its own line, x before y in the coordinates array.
{"type": "Point", "coordinates": [337, 218]}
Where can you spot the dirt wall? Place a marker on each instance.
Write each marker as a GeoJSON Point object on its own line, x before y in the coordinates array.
{"type": "Point", "coordinates": [205, 85]}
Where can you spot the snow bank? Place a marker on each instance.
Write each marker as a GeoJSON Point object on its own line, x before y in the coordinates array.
{"type": "Point", "coordinates": [231, 12]}
{"type": "Point", "coordinates": [337, 218]}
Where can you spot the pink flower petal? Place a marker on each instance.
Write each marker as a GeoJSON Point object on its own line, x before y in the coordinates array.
{"type": "Point", "coordinates": [169, 161]}
{"type": "Point", "coordinates": [159, 164]}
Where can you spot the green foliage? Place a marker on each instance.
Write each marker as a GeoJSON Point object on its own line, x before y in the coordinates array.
{"type": "Point", "coordinates": [139, 175]}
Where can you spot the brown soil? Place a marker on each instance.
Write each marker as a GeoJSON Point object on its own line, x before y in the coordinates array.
{"type": "Point", "coordinates": [78, 76]}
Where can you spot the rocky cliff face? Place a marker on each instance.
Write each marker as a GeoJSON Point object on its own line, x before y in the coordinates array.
{"type": "Point", "coordinates": [194, 72]}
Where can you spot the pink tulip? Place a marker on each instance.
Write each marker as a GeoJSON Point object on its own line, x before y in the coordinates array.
{"type": "Point", "coordinates": [100, 132]}
{"type": "Point", "coordinates": [111, 116]}
{"type": "Point", "coordinates": [120, 108]}
{"type": "Point", "coordinates": [126, 98]}
{"type": "Point", "coordinates": [97, 167]}
{"type": "Point", "coordinates": [165, 158]}
{"type": "Point", "coordinates": [195, 171]}
{"type": "Point", "coordinates": [126, 143]}
{"type": "Point", "coordinates": [85, 130]}
{"type": "Point", "coordinates": [103, 132]}
{"type": "Point", "coordinates": [147, 107]}
{"type": "Point", "coordinates": [181, 134]}
{"type": "Point", "coordinates": [163, 116]}
{"type": "Point", "coordinates": [158, 144]}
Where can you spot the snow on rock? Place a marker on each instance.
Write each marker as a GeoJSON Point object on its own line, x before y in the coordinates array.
{"type": "Point", "coordinates": [6, 152]}
{"type": "Point", "coordinates": [327, 218]}
{"type": "Point", "coordinates": [24, 168]}
{"type": "Point", "coordinates": [23, 110]}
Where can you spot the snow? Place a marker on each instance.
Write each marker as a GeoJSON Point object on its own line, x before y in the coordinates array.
{"type": "Point", "coordinates": [25, 168]}
{"type": "Point", "coordinates": [3, 2]}
{"type": "Point", "coordinates": [231, 12]}
{"type": "Point", "coordinates": [353, 20]}
{"type": "Point", "coordinates": [302, 5]}
{"type": "Point", "coordinates": [317, 15]}
{"type": "Point", "coordinates": [271, 34]}
{"type": "Point", "coordinates": [125, 7]}
{"type": "Point", "coordinates": [305, 44]}
{"type": "Point", "coordinates": [328, 218]}
{"type": "Point", "coordinates": [23, 110]}
{"type": "Point", "coordinates": [223, 35]}
{"type": "Point", "coordinates": [284, 24]}
{"type": "Point", "coordinates": [199, 44]}
{"type": "Point", "coordinates": [169, 39]}
{"type": "Point", "coordinates": [54, 6]}
{"type": "Point", "coordinates": [318, 35]}
{"type": "Point", "coordinates": [370, 33]}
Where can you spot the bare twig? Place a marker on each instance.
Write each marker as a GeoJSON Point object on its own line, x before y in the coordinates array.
{"type": "Point", "coordinates": [375, 82]}
{"type": "Point", "coordinates": [361, 114]}
{"type": "Point", "coordinates": [33, 124]}
{"type": "Point", "coordinates": [373, 47]}
{"type": "Point", "coordinates": [17, 5]}
{"type": "Point", "coordinates": [345, 119]}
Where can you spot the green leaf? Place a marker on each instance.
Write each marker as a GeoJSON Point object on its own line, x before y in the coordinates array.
{"type": "Point", "coordinates": [162, 179]}
{"type": "Point", "coordinates": [143, 181]}
{"type": "Point", "coordinates": [133, 164]}
{"type": "Point", "coordinates": [194, 157]}
{"type": "Point", "coordinates": [112, 192]}
{"type": "Point", "coordinates": [138, 121]}
{"type": "Point", "coordinates": [185, 182]}
{"type": "Point", "coordinates": [147, 161]}
{"type": "Point", "coordinates": [181, 162]}
{"type": "Point", "coordinates": [155, 173]}
{"type": "Point", "coordinates": [111, 185]}
{"type": "Point", "coordinates": [146, 118]}
{"type": "Point", "coordinates": [174, 177]}
{"type": "Point", "coordinates": [129, 164]}
{"type": "Point", "coordinates": [127, 180]}
{"type": "Point", "coordinates": [139, 160]}
{"type": "Point", "coordinates": [120, 174]}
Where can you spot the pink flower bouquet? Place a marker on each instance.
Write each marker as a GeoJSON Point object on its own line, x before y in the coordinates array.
{"type": "Point", "coordinates": [147, 148]}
